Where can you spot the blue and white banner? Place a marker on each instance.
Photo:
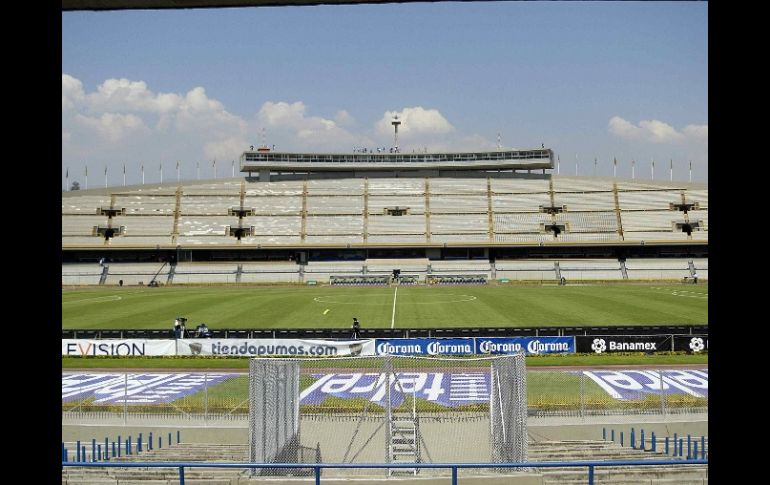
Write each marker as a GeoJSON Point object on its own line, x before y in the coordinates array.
{"type": "Point", "coordinates": [136, 389]}
{"type": "Point", "coordinates": [425, 346]}
{"type": "Point", "coordinates": [529, 345]}
{"type": "Point", "coordinates": [450, 389]}
{"type": "Point", "coordinates": [635, 384]}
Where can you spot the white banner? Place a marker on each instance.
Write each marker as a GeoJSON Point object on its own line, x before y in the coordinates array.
{"type": "Point", "coordinates": [130, 347]}
{"type": "Point", "coordinates": [264, 347]}
{"type": "Point", "coordinates": [207, 346]}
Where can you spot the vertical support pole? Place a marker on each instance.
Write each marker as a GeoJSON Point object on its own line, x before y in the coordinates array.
{"type": "Point", "coordinates": [169, 438]}
{"type": "Point", "coordinates": [106, 449]}
{"type": "Point", "coordinates": [703, 447]}
{"type": "Point", "coordinates": [612, 435]}
{"type": "Point", "coordinates": [695, 450]}
{"type": "Point", "coordinates": [77, 452]}
{"type": "Point", "coordinates": [666, 446]}
{"type": "Point", "coordinates": [621, 438]}
{"type": "Point", "coordinates": [125, 399]}
{"type": "Point", "coordinates": [641, 440]}
{"type": "Point", "coordinates": [653, 444]}
{"type": "Point", "coordinates": [113, 450]}
{"type": "Point", "coordinates": [83, 455]}
{"type": "Point", "coordinates": [93, 449]}
{"type": "Point", "coordinates": [590, 475]}
{"type": "Point", "coordinates": [206, 397]}
{"type": "Point", "coordinates": [63, 452]}
{"type": "Point", "coordinates": [604, 434]}
{"type": "Point", "coordinates": [149, 442]}
{"type": "Point", "coordinates": [663, 390]}
{"type": "Point", "coordinates": [676, 439]}
{"type": "Point", "coordinates": [681, 447]}
{"type": "Point", "coordinates": [582, 396]}
{"type": "Point", "coordinates": [181, 475]}
{"type": "Point", "coordinates": [128, 452]}
{"type": "Point", "coordinates": [160, 442]}
{"type": "Point", "coordinates": [454, 475]}
{"type": "Point", "coordinates": [317, 475]}
{"type": "Point", "coordinates": [633, 438]}
{"type": "Point", "coordinates": [120, 444]}
{"type": "Point", "coordinates": [689, 445]}
{"type": "Point", "coordinates": [99, 452]}
{"type": "Point", "coordinates": [178, 436]}
{"type": "Point", "coordinates": [139, 443]}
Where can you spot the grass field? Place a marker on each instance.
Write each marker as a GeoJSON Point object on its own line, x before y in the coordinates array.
{"type": "Point", "coordinates": [242, 363]}
{"type": "Point", "coordinates": [333, 307]}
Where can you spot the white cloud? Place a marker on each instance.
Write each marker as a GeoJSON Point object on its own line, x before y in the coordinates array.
{"type": "Point", "coordinates": [288, 122]}
{"type": "Point", "coordinates": [698, 132]}
{"type": "Point", "coordinates": [71, 92]}
{"type": "Point", "coordinates": [113, 126]}
{"type": "Point", "coordinates": [414, 121]}
{"type": "Point", "coordinates": [660, 132]}
{"type": "Point", "coordinates": [343, 118]}
{"type": "Point", "coordinates": [656, 131]}
{"type": "Point", "coordinates": [227, 149]}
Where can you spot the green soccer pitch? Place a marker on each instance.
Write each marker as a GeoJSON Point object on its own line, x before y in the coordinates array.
{"type": "Point", "coordinates": [382, 307]}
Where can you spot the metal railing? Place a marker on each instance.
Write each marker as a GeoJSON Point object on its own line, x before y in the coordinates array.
{"type": "Point", "coordinates": [591, 465]}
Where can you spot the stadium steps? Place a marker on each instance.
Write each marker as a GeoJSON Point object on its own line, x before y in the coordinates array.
{"type": "Point", "coordinates": [583, 450]}
{"type": "Point", "coordinates": [186, 452]}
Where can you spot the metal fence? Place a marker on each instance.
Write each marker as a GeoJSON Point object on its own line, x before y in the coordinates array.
{"type": "Point", "coordinates": [212, 396]}
{"type": "Point", "coordinates": [453, 467]}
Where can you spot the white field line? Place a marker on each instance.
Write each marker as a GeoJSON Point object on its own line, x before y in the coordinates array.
{"type": "Point", "coordinates": [393, 317]}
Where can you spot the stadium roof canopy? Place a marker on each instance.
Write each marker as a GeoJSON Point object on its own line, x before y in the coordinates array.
{"type": "Point", "coordinates": [171, 4]}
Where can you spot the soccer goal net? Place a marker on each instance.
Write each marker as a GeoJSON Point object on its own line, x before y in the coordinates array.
{"type": "Point", "coordinates": [387, 409]}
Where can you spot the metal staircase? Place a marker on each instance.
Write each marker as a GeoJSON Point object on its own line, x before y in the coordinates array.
{"type": "Point", "coordinates": [404, 435]}
{"type": "Point", "coordinates": [404, 443]}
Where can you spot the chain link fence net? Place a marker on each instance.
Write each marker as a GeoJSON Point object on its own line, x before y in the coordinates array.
{"type": "Point", "coordinates": [389, 409]}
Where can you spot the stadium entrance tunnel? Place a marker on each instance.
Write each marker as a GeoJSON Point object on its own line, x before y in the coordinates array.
{"type": "Point", "coordinates": [556, 229]}
{"type": "Point", "coordinates": [108, 232]}
{"type": "Point", "coordinates": [687, 227]}
{"type": "Point", "coordinates": [240, 232]}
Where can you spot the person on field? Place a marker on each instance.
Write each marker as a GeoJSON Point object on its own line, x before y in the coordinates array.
{"type": "Point", "coordinates": [203, 331]}
{"type": "Point", "coordinates": [695, 278]}
{"type": "Point", "coordinates": [356, 329]}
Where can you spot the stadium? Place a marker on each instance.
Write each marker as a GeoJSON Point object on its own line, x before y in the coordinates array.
{"type": "Point", "coordinates": [457, 265]}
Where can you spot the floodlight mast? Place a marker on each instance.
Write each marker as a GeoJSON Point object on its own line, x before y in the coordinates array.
{"type": "Point", "coordinates": [395, 124]}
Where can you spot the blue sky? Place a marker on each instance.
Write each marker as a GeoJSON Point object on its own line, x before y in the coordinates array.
{"type": "Point", "coordinates": [592, 79]}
